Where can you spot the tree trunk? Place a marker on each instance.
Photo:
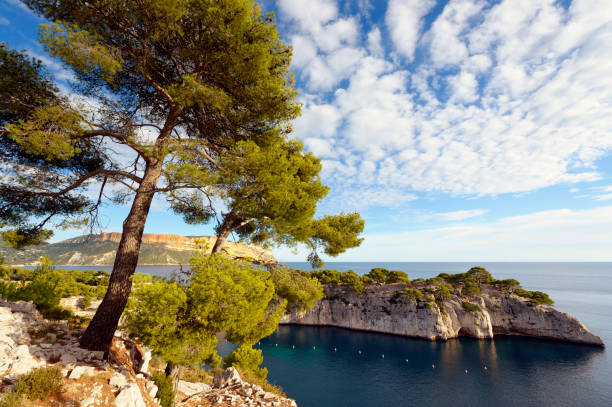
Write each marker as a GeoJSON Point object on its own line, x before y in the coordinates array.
{"type": "Point", "coordinates": [100, 332]}
{"type": "Point", "coordinates": [226, 228]}
{"type": "Point", "coordinates": [173, 372]}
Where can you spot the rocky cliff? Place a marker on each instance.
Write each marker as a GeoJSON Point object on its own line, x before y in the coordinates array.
{"type": "Point", "coordinates": [493, 312]}
{"type": "Point", "coordinates": [29, 342]}
{"type": "Point", "coordinates": [156, 249]}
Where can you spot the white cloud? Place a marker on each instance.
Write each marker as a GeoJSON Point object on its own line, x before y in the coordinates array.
{"type": "Point", "coordinates": [527, 104]}
{"type": "Point", "coordinates": [404, 21]}
{"type": "Point", "coordinates": [454, 215]}
{"type": "Point", "coordinates": [4, 21]}
{"type": "Point", "coordinates": [555, 235]}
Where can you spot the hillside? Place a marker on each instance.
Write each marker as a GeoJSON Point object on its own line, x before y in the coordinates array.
{"type": "Point", "coordinates": [99, 250]}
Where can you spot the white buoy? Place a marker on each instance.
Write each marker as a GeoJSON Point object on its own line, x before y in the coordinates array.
{"type": "Point", "coordinates": [485, 368]}
{"type": "Point", "coordinates": [382, 356]}
{"type": "Point", "coordinates": [406, 360]}
{"type": "Point", "coordinates": [293, 347]}
{"type": "Point", "coordinates": [334, 349]}
{"type": "Point", "coordinates": [359, 352]}
{"type": "Point", "coordinates": [314, 347]}
{"type": "Point", "coordinates": [433, 366]}
{"type": "Point", "coordinates": [276, 344]}
{"type": "Point", "coordinates": [466, 371]}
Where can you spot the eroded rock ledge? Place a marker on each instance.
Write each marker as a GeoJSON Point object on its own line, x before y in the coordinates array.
{"type": "Point", "coordinates": [380, 309]}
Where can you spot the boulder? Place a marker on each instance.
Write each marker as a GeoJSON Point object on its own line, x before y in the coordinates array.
{"type": "Point", "coordinates": [118, 380]}
{"type": "Point", "coordinates": [227, 377]}
{"type": "Point", "coordinates": [189, 388]}
{"type": "Point", "coordinates": [130, 396]}
{"type": "Point", "coordinates": [79, 371]}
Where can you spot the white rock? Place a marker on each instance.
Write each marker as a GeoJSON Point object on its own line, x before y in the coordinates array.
{"type": "Point", "coordinates": [79, 371]}
{"type": "Point", "coordinates": [24, 365]}
{"type": "Point", "coordinates": [118, 380]}
{"type": "Point", "coordinates": [190, 388]}
{"type": "Point", "coordinates": [146, 358]}
{"type": "Point", "coordinates": [152, 389]}
{"type": "Point", "coordinates": [88, 402]}
{"type": "Point", "coordinates": [130, 397]}
{"type": "Point", "coordinates": [228, 376]}
{"type": "Point", "coordinates": [22, 351]}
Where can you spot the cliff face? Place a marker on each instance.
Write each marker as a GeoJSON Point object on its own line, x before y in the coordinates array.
{"type": "Point", "coordinates": [156, 249]}
{"type": "Point", "coordinates": [378, 310]}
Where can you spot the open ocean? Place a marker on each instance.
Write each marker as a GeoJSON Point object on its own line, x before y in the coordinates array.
{"type": "Point", "coordinates": [520, 372]}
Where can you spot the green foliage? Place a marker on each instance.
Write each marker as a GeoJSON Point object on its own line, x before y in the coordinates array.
{"type": "Point", "coordinates": [165, 389]}
{"type": "Point", "coordinates": [509, 285]}
{"type": "Point", "coordinates": [40, 383]}
{"type": "Point", "coordinates": [11, 399]}
{"type": "Point", "coordinates": [245, 358]}
{"type": "Point", "coordinates": [20, 239]}
{"type": "Point", "coordinates": [470, 307]}
{"type": "Point", "coordinates": [383, 276]}
{"type": "Point", "coordinates": [441, 290]}
{"type": "Point", "coordinates": [480, 275]}
{"type": "Point", "coordinates": [536, 297]}
{"type": "Point", "coordinates": [299, 288]}
{"type": "Point", "coordinates": [336, 233]}
{"type": "Point", "coordinates": [471, 288]}
{"type": "Point", "coordinates": [413, 294]}
{"type": "Point", "coordinates": [179, 320]}
{"type": "Point", "coordinates": [351, 280]}
{"type": "Point", "coordinates": [327, 276]}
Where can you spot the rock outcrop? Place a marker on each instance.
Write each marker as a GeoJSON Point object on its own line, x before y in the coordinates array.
{"type": "Point", "coordinates": [379, 309]}
{"type": "Point", "coordinates": [28, 341]}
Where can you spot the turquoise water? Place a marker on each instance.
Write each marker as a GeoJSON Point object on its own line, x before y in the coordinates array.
{"type": "Point", "coordinates": [520, 372]}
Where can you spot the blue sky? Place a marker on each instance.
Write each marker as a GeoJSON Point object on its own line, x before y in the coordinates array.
{"type": "Point", "coordinates": [461, 130]}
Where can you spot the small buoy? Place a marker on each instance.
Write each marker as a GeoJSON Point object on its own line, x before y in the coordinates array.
{"type": "Point", "coordinates": [485, 368]}
{"type": "Point", "coordinates": [259, 343]}
{"type": "Point", "coordinates": [466, 371]}
{"type": "Point", "coordinates": [314, 347]}
{"type": "Point", "coordinates": [276, 344]}
{"type": "Point", "coordinates": [382, 356]}
{"type": "Point", "coordinates": [406, 360]}
{"type": "Point", "coordinates": [334, 349]}
{"type": "Point", "coordinates": [293, 347]}
{"type": "Point", "coordinates": [359, 352]}
{"type": "Point", "coordinates": [433, 366]}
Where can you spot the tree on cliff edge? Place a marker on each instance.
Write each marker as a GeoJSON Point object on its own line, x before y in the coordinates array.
{"type": "Point", "coordinates": [175, 83]}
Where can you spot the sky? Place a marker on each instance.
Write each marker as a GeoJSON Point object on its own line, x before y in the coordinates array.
{"type": "Point", "coordinates": [461, 130]}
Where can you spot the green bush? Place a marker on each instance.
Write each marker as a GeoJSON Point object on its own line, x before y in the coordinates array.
{"type": "Point", "coordinates": [245, 358]}
{"type": "Point", "coordinates": [413, 294]}
{"type": "Point", "coordinates": [381, 275]}
{"type": "Point", "coordinates": [11, 399]}
{"type": "Point", "coordinates": [470, 307]}
{"type": "Point", "coordinates": [85, 301]}
{"type": "Point", "coordinates": [508, 285]}
{"type": "Point", "coordinates": [471, 288]}
{"type": "Point", "coordinates": [327, 276]}
{"type": "Point", "coordinates": [536, 297]}
{"type": "Point", "coordinates": [351, 280]}
{"type": "Point", "coordinates": [299, 289]}
{"type": "Point", "coordinates": [40, 383]}
{"type": "Point", "coordinates": [165, 391]}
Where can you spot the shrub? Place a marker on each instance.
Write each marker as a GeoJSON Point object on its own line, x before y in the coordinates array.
{"type": "Point", "coordinates": [299, 289]}
{"type": "Point", "coordinates": [245, 358]}
{"type": "Point", "coordinates": [470, 307]}
{"type": "Point", "coordinates": [413, 294]}
{"type": "Point", "coordinates": [536, 297]}
{"type": "Point", "coordinates": [327, 276]}
{"type": "Point", "coordinates": [351, 280]}
{"type": "Point", "coordinates": [11, 399]}
{"type": "Point", "coordinates": [480, 275]}
{"type": "Point", "coordinates": [508, 285]}
{"type": "Point", "coordinates": [85, 301]}
{"type": "Point", "coordinates": [471, 288]}
{"type": "Point", "coordinates": [378, 275]}
{"type": "Point", "coordinates": [165, 391]}
{"type": "Point", "coordinates": [40, 383]}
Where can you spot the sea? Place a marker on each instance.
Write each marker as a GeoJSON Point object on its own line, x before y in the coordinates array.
{"type": "Point", "coordinates": [333, 367]}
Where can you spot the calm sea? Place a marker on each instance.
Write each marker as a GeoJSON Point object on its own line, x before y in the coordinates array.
{"type": "Point", "coordinates": [519, 372]}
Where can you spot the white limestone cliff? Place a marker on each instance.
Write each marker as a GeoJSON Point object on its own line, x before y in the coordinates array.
{"type": "Point", "coordinates": [378, 310]}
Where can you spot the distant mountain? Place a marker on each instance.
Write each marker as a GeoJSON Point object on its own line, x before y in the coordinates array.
{"type": "Point", "coordinates": [99, 250]}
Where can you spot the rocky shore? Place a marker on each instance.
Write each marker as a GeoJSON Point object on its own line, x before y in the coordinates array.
{"type": "Point", "coordinates": [493, 312]}
{"type": "Point", "coordinates": [28, 342]}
